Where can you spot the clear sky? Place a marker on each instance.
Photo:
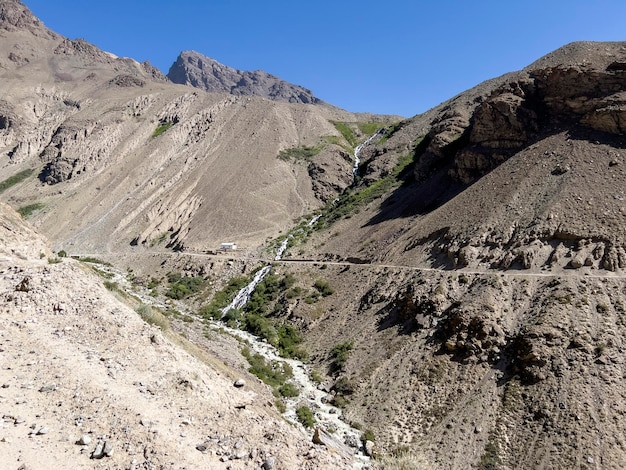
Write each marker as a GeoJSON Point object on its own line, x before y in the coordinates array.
{"type": "Point", "coordinates": [390, 57]}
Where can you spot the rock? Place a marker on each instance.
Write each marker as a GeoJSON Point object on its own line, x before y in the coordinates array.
{"type": "Point", "coordinates": [42, 431]}
{"type": "Point", "coordinates": [369, 448]}
{"type": "Point", "coordinates": [321, 437]}
{"type": "Point", "coordinates": [108, 449]}
{"type": "Point", "coordinates": [98, 452]}
{"type": "Point", "coordinates": [269, 463]}
{"type": "Point", "coordinates": [239, 383]}
{"type": "Point", "coordinates": [51, 387]}
{"type": "Point", "coordinates": [84, 440]}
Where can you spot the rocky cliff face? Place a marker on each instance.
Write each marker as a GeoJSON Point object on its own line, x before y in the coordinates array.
{"type": "Point", "coordinates": [485, 308]}
{"type": "Point", "coordinates": [197, 70]}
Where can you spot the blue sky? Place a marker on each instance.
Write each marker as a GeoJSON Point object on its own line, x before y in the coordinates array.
{"type": "Point", "coordinates": [390, 57]}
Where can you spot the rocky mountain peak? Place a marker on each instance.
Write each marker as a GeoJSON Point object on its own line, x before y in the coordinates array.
{"type": "Point", "coordinates": [200, 71]}
{"type": "Point", "coordinates": [14, 15]}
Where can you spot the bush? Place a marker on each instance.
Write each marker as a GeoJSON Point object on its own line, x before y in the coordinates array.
{"type": "Point", "coordinates": [305, 416]}
{"type": "Point", "coordinates": [340, 354]}
{"type": "Point", "coordinates": [323, 287]}
{"type": "Point", "coordinates": [274, 374]}
{"type": "Point", "coordinates": [62, 254]}
{"type": "Point", "coordinates": [288, 390]}
{"type": "Point", "coordinates": [182, 286]}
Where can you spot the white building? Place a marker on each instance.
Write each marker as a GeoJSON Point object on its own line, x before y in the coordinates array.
{"type": "Point", "coordinates": [228, 246]}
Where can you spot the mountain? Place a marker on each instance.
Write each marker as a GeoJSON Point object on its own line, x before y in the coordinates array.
{"type": "Point", "coordinates": [194, 69]}
{"type": "Point", "coordinates": [122, 159]}
{"type": "Point", "coordinates": [461, 298]}
{"type": "Point", "coordinates": [478, 270]}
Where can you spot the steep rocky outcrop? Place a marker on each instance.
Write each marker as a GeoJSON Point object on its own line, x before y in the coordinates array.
{"type": "Point", "coordinates": [197, 70]}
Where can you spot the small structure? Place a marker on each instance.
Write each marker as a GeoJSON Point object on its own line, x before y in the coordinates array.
{"type": "Point", "coordinates": [228, 246]}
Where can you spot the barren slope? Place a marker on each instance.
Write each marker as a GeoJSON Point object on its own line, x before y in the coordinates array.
{"type": "Point", "coordinates": [121, 156]}
{"type": "Point", "coordinates": [76, 363]}
{"type": "Point", "coordinates": [488, 330]}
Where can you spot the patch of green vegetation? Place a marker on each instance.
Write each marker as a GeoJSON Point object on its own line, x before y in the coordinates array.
{"type": "Point", "coordinates": [152, 316]}
{"type": "Point", "coordinates": [15, 179]}
{"type": "Point", "coordinates": [346, 131]}
{"type": "Point", "coordinates": [369, 128]}
{"type": "Point", "coordinates": [159, 240]}
{"type": "Point", "coordinates": [26, 211]}
{"type": "Point", "coordinates": [274, 373]}
{"type": "Point", "coordinates": [389, 131]}
{"type": "Point", "coordinates": [183, 286]}
{"type": "Point", "coordinates": [55, 260]}
{"type": "Point", "coordinates": [353, 199]}
{"type": "Point", "coordinates": [316, 377]}
{"type": "Point", "coordinates": [324, 288]}
{"type": "Point", "coordinates": [368, 435]}
{"type": "Point", "coordinates": [288, 390]}
{"type": "Point", "coordinates": [299, 154]}
{"type": "Point", "coordinates": [91, 259]}
{"type": "Point", "coordinates": [161, 128]}
{"type": "Point", "coordinates": [62, 254]}
{"type": "Point", "coordinates": [222, 298]}
{"type": "Point", "coordinates": [340, 354]}
{"type": "Point", "coordinates": [112, 286]}
{"type": "Point", "coordinates": [305, 416]}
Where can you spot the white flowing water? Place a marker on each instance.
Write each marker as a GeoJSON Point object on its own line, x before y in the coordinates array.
{"type": "Point", "coordinates": [361, 146]}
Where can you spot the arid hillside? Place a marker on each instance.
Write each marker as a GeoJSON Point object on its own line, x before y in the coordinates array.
{"type": "Point", "coordinates": [461, 296]}
{"type": "Point", "coordinates": [110, 154]}
{"type": "Point", "coordinates": [477, 271]}
{"type": "Point", "coordinates": [87, 383]}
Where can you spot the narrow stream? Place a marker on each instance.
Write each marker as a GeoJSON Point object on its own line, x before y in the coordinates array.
{"type": "Point", "coordinates": [359, 148]}
{"type": "Point", "coordinates": [327, 416]}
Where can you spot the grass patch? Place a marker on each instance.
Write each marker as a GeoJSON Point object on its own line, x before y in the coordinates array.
{"type": "Point", "coordinates": [26, 211]}
{"type": "Point", "coordinates": [305, 416]}
{"type": "Point", "coordinates": [299, 154]}
{"type": "Point", "coordinates": [274, 373]}
{"type": "Point", "coordinates": [153, 317]}
{"type": "Point", "coordinates": [91, 259]}
{"type": "Point", "coordinates": [346, 131]}
{"type": "Point", "coordinates": [161, 128]}
{"type": "Point", "coordinates": [369, 128]}
{"type": "Point", "coordinates": [15, 179]}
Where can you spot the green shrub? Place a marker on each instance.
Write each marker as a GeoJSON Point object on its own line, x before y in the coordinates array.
{"type": "Point", "coordinates": [15, 179]}
{"type": "Point", "coordinates": [340, 354]}
{"type": "Point", "coordinates": [288, 390]}
{"type": "Point", "coordinates": [323, 287]}
{"type": "Point", "coordinates": [368, 435]}
{"type": "Point", "coordinates": [305, 416]}
{"type": "Point", "coordinates": [62, 254]}
{"type": "Point", "coordinates": [91, 259]}
{"type": "Point", "coordinates": [274, 374]}
{"type": "Point", "coordinates": [344, 386]}
{"type": "Point", "coordinates": [183, 286]}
